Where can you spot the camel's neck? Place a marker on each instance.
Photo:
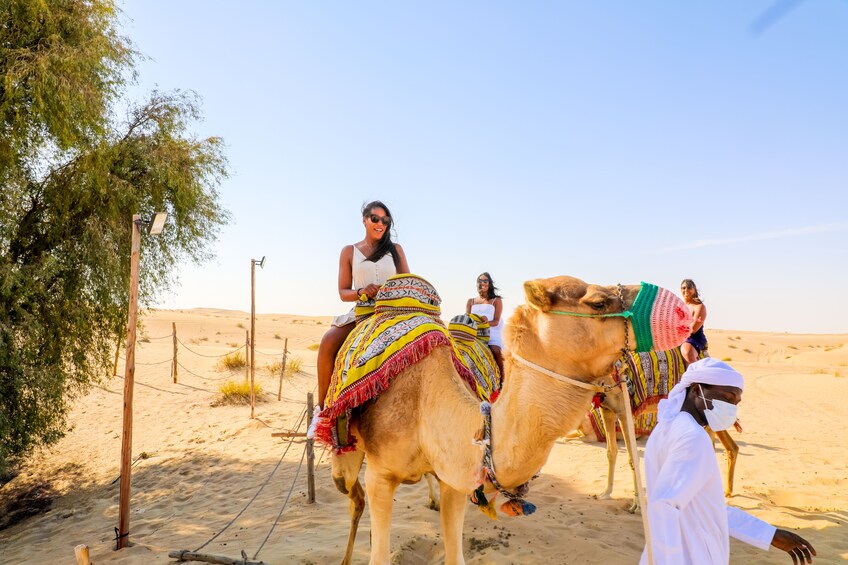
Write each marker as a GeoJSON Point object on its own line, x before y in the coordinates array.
{"type": "Point", "coordinates": [534, 410]}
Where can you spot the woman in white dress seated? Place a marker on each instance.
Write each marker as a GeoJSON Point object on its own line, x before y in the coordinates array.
{"type": "Point", "coordinates": [363, 268]}
{"type": "Point", "coordinates": [489, 305]}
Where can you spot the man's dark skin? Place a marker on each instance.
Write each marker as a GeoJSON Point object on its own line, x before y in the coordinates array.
{"type": "Point", "coordinates": [797, 547]}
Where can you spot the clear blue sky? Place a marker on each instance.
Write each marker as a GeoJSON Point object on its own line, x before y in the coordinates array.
{"type": "Point", "coordinates": [613, 141]}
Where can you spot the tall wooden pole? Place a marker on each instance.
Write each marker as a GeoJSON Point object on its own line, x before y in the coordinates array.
{"type": "Point", "coordinates": [129, 377]}
{"type": "Point", "coordinates": [246, 355]}
{"type": "Point", "coordinates": [252, 331]}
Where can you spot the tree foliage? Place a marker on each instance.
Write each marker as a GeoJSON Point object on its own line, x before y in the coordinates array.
{"type": "Point", "coordinates": [72, 177]}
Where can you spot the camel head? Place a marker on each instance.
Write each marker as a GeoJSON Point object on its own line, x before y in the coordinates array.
{"type": "Point", "coordinates": [579, 327]}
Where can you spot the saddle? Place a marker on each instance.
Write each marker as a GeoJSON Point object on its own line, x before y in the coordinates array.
{"type": "Point", "coordinates": [404, 328]}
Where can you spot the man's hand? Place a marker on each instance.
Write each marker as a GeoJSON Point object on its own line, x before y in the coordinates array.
{"type": "Point", "coordinates": [797, 547]}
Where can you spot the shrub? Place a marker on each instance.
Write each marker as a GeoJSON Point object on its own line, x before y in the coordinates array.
{"type": "Point", "coordinates": [273, 367]}
{"type": "Point", "coordinates": [233, 361]}
{"type": "Point", "coordinates": [314, 347]}
{"type": "Point", "coordinates": [726, 359]}
{"type": "Point", "coordinates": [293, 365]}
{"type": "Point", "coordinates": [232, 392]}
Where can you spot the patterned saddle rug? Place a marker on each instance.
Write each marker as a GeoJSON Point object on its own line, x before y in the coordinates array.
{"type": "Point", "coordinates": [470, 336]}
{"type": "Point", "coordinates": [651, 375]}
{"type": "Point", "coordinates": [403, 330]}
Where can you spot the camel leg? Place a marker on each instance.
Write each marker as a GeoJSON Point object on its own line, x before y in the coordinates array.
{"type": "Point", "coordinates": [632, 455]}
{"type": "Point", "coordinates": [346, 468]}
{"type": "Point", "coordinates": [731, 450]}
{"type": "Point", "coordinates": [432, 493]}
{"type": "Point", "coordinates": [380, 491]}
{"type": "Point", "coordinates": [453, 516]}
{"type": "Point", "coordinates": [608, 419]}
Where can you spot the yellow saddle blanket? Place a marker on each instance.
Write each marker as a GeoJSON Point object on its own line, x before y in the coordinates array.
{"type": "Point", "coordinates": [404, 329]}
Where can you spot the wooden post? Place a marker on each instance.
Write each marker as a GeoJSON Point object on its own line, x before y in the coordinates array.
{"type": "Point", "coordinates": [252, 333]}
{"type": "Point", "coordinates": [283, 368]}
{"type": "Point", "coordinates": [310, 455]}
{"type": "Point", "coordinates": [129, 378]}
{"type": "Point", "coordinates": [174, 331]}
{"type": "Point", "coordinates": [246, 354]}
{"type": "Point", "coordinates": [81, 553]}
{"type": "Point", "coordinates": [637, 470]}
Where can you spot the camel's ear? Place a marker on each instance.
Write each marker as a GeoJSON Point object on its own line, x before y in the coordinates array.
{"type": "Point", "coordinates": [538, 293]}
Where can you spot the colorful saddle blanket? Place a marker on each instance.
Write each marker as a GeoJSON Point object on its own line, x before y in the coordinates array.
{"type": "Point", "coordinates": [404, 329]}
{"type": "Point", "coordinates": [651, 375]}
{"type": "Point", "coordinates": [470, 335]}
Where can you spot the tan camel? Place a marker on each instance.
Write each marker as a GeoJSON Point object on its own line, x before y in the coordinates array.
{"type": "Point", "coordinates": [612, 411]}
{"type": "Point", "coordinates": [425, 421]}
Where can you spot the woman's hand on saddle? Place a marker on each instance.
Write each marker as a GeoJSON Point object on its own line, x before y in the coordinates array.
{"type": "Point", "coordinates": [371, 291]}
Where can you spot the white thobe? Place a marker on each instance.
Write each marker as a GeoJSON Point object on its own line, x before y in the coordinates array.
{"type": "Point", "coordinates": [689, 520]}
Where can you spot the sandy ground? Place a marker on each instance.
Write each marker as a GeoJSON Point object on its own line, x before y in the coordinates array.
{"type": "Point", "coordinates": [203, 470]}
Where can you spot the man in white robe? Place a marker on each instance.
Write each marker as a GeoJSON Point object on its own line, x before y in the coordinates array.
{"type": "Point", "coordinates": [690, 523]}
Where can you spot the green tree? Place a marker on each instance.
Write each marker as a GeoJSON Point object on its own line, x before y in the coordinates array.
{"type": "Point", "coordinates": [72, 177]}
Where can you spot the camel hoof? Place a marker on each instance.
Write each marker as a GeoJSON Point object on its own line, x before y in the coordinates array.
{"type": "Point", "coordinates": [433, 505]}
{"type": "Point", "coordinates": [602, 496]}
{"type": "Point", "coordinates": [633, 508]}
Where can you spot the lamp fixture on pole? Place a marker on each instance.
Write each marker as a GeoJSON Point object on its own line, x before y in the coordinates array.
{"type": "Point", "coordinates": [253, 263]}
{"type": "Point", "coordinates": [153, 227]}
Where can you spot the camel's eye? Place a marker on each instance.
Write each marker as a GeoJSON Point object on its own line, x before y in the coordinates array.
{"type": "Point", "coordinates": [597, 303]}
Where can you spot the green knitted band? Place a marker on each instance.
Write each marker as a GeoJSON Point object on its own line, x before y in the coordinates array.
{"type": "Point", "coordinates": [642, 308]}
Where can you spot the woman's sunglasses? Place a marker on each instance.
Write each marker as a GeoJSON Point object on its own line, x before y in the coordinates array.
{"type": "Point", "coordinates": [387, 220]}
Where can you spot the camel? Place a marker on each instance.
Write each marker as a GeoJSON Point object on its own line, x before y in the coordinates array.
{"type": "Point", "coordinates": [612, 410]}
{"type": "Point", "coordinates": [425, 421]}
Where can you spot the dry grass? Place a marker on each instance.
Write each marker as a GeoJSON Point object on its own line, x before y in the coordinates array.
{"type": "Point", "coordinates": [233, 361]}
{"type": "Point", "coordinates": [232, 392]}
{"type": "Point", "coordinates": [294, 365]}
{"type": "Point", "coordinates": [273, 367]}
{"type": "Point", "coordinates": [313, 347]}
{"type": "Point", "coordinates": [278, 336]}
{"type": "Point", "coordinates": [726, 359]}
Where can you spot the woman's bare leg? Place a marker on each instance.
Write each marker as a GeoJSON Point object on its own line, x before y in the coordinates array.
{"type": "Point", "coordinates": [496, 353]}
{"type": "Point", "coordinates": [327, 351]}
{"type": "Point", "coordinates": [690, 354]}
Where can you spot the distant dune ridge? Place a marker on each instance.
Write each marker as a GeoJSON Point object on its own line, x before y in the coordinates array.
{"type": "Point", "coordinates": [198, 465]}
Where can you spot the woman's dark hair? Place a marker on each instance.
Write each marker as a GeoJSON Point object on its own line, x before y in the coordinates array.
{"type": "Point", "coordinates": [385, 245]}
{"type": "Point", "coordinates": [493, 290]}
{"type": "Point", "coordinates": [687, 283]}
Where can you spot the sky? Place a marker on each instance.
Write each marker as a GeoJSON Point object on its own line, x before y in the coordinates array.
{"type": "Point", "coordinates": [611, 141]}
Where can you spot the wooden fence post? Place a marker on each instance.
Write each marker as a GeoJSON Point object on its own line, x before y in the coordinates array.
{"type": "Point", "coordinates": [174, 330]}
{"type": "Point", "coordinates": [283, 369]}
{"type": "Point", "coordinates": [310, 455]}
{"type": "Point", "coordinates": [82, 555]}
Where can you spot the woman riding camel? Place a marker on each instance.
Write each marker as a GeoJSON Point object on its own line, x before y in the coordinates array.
{"type": "Point", "coordinates": [697, 341]}
{"type": "Point", "coordinates": [489, 305]}
{"type": "Point", "coordinates": [363, 268]}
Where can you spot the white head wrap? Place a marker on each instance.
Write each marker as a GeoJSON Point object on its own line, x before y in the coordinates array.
{"type": "Point", "coordinates": [708, 371]}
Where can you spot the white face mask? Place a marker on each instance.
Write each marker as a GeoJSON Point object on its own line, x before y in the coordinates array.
{"type": "Point", "coordinates": [722, 415]}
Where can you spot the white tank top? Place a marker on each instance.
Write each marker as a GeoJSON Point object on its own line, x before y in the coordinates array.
{"type": "Point", "coordinates": [488, 310]}
{"type": "Point", "coordinates": [368, 272]}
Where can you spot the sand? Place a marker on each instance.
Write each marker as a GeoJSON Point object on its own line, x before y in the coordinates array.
{"type": "Point", "coordinates": [203, 470]}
